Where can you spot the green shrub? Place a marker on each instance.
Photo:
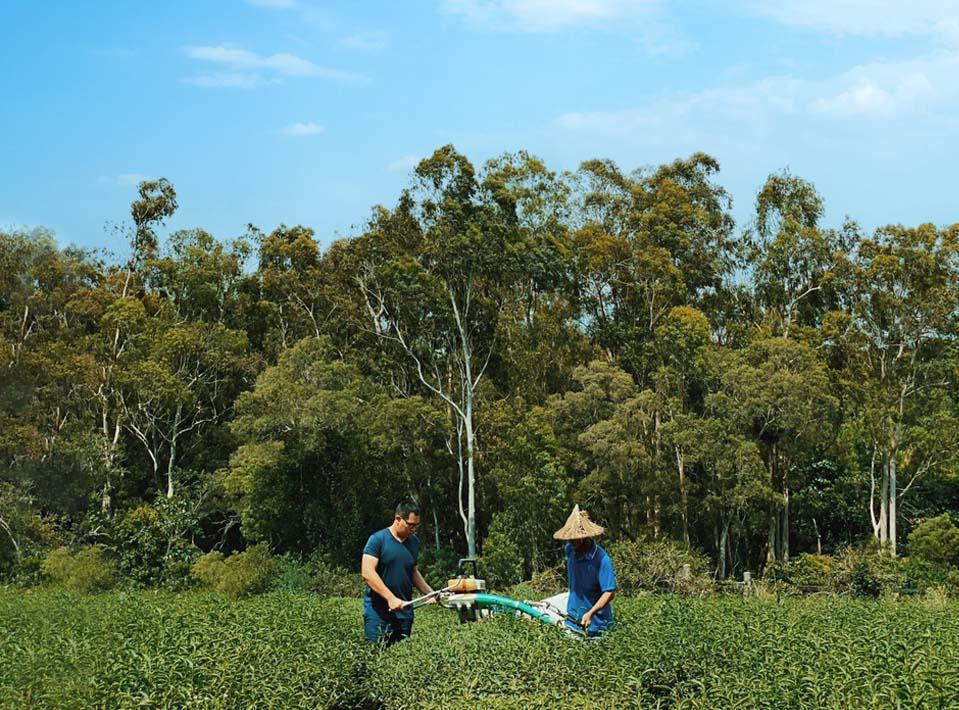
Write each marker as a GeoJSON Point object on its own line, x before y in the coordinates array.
{"type": "Point", "coordinates": [658, 566]}
{"type": "Point", "coordinates": [936, 540]}
{"type": "Point", "coordinates": [866, 572]}
{"type": "Point", "coordinates": [140, 545]}
{"type": "Point", "coordinates": [316, 574]}
{"type": "Point", "coordinates": [150, 543]}
{"type": "Point", "coordinates": [209, 568]}
{"type": "Point", "coordinates": [548, 582]}
{"type": "Point", "coordinates": [86, 570]}
{"type": "Point", "coordinates": [806, 570]}
{"type": "Point", "coordinates": [292, 574]}
{"type": "Point", "coordinates": [331, 580]}
{"type": "Point", "coordinates": [437, 566]}
{"type": "Point", "coordinates": [921, 574]}
{"type": "Point", "coordinates": [501, 563]}
{"type": "Point", "coordinates": [238, 575]}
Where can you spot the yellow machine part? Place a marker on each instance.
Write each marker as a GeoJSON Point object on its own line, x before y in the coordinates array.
{"type": "Point", "coordinates": [462, 585]}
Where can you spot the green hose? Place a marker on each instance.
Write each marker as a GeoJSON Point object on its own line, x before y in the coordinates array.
{"type": "Point", "coordinates": [492, 600]}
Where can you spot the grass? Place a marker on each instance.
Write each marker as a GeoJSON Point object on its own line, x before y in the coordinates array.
{"type": "Point", "coordinates": [60, 649]}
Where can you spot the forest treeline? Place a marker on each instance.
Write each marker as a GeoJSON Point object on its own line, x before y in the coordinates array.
{"type": "Point", "coordinates": [502, 342]}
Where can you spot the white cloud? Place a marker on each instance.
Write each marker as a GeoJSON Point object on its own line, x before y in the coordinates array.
{"type": "Point", "coordinates": [924, 85]}
{"type": "Point", "coordinates": [546, 15]}
{"type": "Point", "coordinates": [864, 98]}
{"type": "Point", "coordinates": [303, 129]}
{"type": "Point", "coordinates": [370, 41]}
{"type": "Point", "coordinates": [229, 80]}
{"type": "Point", "coordinates": [244, 68]}
{"type": "Point", "coordinates": [866, 17]}
{"type": "Point", "coordinates": [404, 164]}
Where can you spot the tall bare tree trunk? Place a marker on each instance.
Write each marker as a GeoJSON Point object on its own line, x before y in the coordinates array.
{"type": "Point", "coordinates": [884, 503]}
{"type": "Point", "coordinates": [892, 505]}
{"type": "Point", "coordinates": [684, 501]}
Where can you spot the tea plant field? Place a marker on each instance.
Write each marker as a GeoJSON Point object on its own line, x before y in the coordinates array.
{"type": "Point", "coordinates": [282, 650]}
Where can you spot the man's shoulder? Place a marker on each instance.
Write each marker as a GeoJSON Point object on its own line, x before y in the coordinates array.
{"type": "Point", "coordinates": [377, 537]}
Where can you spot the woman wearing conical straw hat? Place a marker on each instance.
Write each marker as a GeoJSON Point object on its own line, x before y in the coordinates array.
{"type": "Point", "coordinates": [589, 570]}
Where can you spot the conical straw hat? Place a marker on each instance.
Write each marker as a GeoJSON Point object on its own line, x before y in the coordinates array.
{"type": "Point", "coordinates": [578, 526]}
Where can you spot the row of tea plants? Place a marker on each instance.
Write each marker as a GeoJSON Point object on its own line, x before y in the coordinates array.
{"type": "Point", "coordinates": [281, 649]}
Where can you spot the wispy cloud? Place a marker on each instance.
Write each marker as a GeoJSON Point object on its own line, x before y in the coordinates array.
{"type": "Point", "coordinates": [645, 20]}
{"type": "Point", "coordinates": [879, 90]}
{"type": "Point", "coordinates": [866, 17]}
{"type": "Point", "coordinates": [404, 164]}
{"type": "Point", "coordinates": [246, 70]}
{"type": "Point", "coordinates": [370, 41]}
{"type": "Point", "coordinates": [303, 129]}
{"type": "Point", "coordinates": [228, 80]}
{"type": "Point", "coordinates": [547, 15]}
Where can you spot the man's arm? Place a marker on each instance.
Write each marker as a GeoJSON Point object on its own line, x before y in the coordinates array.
{"type": "Point", "coordinates": [604, 599]}
{"type": "Point", "coordinates": [370, 576]}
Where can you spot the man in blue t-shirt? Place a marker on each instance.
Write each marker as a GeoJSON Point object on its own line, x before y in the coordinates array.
{"type": "Point", "coordinates": [592, 580]}
{"type": "Point", "coordinates": [389, 570]}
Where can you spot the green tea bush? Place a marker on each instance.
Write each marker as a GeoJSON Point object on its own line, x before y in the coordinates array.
{"type": "Point", "coordinates": [86, 570]}
{"type": "Point", "coordinates": [60, 649]}
{"type": "Point", "coordinates": [240, 574]}
{"type": "Point", "coordinates": [153, 649]}
{"type": "Point", "coordinates": [657, 566]}
{"type": "Point", "coordinates": [668, 651]}
{"type": "Point", "coordinates": [936, 540]}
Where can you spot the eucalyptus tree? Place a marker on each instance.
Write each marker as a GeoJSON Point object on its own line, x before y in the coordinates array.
{"type": "Point", "coordinates": [683, 341]}
{"type": "Point", "coordinates": [778, 393]}
{"type": "Point", "coordinates": [295, 284]}
{"type": "Point", "coordinates": [184, 379]}
{"type": "Point", "coordinates": [899, 331]}
{"type": "Point", "coordinates": [200, 276]}
{"type": "Point", "coordinates": [435, 275]}
{"type": "Point", "coordinates": [645, 243]}
{"type": "Point", "coordinates": [606, 429]}
{"type": "Point", "coordinates": [323, 451]}
{"type": "Point", "coordinates": [792, 259]}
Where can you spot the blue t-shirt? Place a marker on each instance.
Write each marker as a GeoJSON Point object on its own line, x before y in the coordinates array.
{"type": "Point", "coordinates": [395, 567]}
{"type": "Point", "coordinates": [589, 576]}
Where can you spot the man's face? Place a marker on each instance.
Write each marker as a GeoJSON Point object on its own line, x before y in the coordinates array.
{"type": "Point", "coordinates": [581, 545]}
{"type": "Point", "coordinates": [407, 526]}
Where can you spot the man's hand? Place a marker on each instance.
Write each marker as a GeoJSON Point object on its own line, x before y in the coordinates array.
{"type": "Point", "coordinates": [432, 600]}
{"type": "Point", "coordinates": [587, 617]}
{"type": "Point", "coordinates": [395, 603]}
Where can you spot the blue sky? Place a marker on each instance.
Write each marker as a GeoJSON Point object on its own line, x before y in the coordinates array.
{"type": "Point", "coordinates": [300, 111]}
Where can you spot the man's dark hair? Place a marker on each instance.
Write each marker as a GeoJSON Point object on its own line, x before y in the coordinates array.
{"type": "Point", "coordinates": [406, 507]}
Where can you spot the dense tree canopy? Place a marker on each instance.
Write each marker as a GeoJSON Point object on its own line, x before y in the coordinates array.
{"type": "Point", "coordinates": [503, 341]}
